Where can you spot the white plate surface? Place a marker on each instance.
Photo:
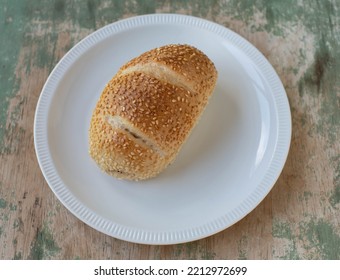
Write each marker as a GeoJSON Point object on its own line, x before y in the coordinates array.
{"type": "Point", "coordinates": [229, 164]}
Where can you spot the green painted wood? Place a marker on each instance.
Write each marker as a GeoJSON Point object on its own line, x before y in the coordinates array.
{"type": "Point", "coordinates": [299, 219]}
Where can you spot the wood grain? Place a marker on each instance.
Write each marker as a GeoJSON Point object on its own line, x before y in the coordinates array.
{"type": "Point", "coordinates": [299, 219]}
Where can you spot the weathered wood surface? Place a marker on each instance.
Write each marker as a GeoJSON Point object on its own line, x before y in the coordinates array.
{"type": "Point", "coordinates": [299, 219]}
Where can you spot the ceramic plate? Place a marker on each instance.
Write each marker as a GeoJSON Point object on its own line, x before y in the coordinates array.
{"type": "Point", "coordinates": [229, 164]}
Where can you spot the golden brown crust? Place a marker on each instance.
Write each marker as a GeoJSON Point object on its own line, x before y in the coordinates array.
{"type": "Point", "coordinates": [142, 119]}
{"type": "Point", "coordinates": [188, 62]}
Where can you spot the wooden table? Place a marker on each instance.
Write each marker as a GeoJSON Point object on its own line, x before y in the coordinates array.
{"type": "Point", "coordinates": [299, 219]}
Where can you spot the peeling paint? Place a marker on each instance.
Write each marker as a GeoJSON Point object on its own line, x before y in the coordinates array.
{"type": "Point", "coordinates": [291, 252]}
{"type": "Point", "coordinates": [17, 256]}
{"type": "Point", "coordinates": [305, 196]}
{"type": "Point", "coordinates": [317, 239]}
{"type": "Point", "coordinates": [44, 245]}
{"type": "Point", "coordinates": [9, 84]}
{"type": "Point", "coordinates": [321, 236]}
{"type": "Point", "coordinates": [18, 224]}
{"type": "Point", "coordinates": [334, 198]}
{"type": "Point", "coordinates": [207, 254]}
{"type": "Point", "coordinates": [3, 203]}
{"type": "Point", "coordinates": [281, 230]}
{"type": "Point", "coordinates": [12, 207]}
{"type": "Point", "coordinates": [315, 75]}
{"type": "Point", "coordinates": [242, 248]}
{"type": "Point", "coordinates": [195, 250]}
{"type": "Point", "coordinates": [322, 76]}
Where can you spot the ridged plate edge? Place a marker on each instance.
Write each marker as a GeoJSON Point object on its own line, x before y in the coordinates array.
{"type": "Point", "coordinates": [155, 237]}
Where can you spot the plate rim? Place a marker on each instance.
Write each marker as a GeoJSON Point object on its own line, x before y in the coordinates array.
{"type": "Point", "coordinates": [127, 233]}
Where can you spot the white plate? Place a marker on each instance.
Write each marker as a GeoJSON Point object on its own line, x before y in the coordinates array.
{"type": "Point", "coordinates": [229, 164]}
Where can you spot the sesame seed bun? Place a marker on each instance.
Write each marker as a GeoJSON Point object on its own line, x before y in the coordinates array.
{"type": "Point", "coordinates": [148, 109]}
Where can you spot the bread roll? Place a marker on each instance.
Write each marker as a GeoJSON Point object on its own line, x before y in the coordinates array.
{"type": "Point", "coordinates": [148, 109]}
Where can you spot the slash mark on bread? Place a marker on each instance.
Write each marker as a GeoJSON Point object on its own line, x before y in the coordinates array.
{"type": "Point", "coordinates": [139, 137]}
{"type": "Point", "coordinates": [161, 73]}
